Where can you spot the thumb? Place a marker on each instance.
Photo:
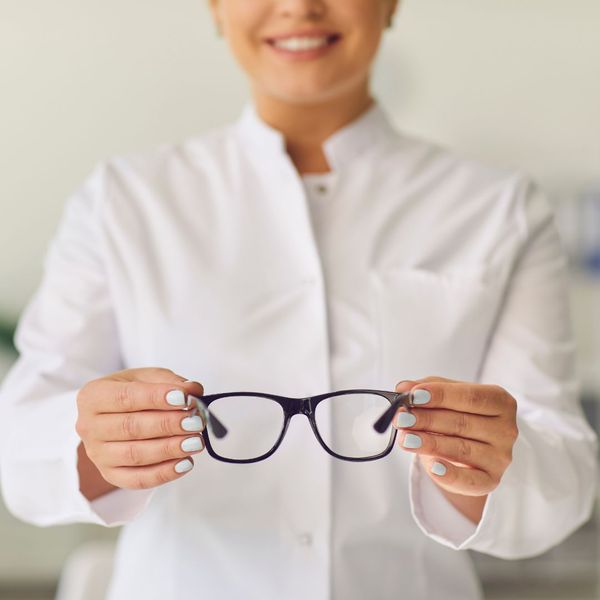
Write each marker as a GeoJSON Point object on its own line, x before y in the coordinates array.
{"type": "Point", "coordinates": [159, 375]}
{"type": "Point", "coordinates": [194, 387]}
{"type": "Point", "coordinates": [191, 386]}
{"type": "Point", "coordinates": [405, 386]}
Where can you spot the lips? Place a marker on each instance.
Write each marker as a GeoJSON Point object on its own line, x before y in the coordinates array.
{"type": "Point", "coordinates": [310, 33]}
{"type": "Point", "coordinates": [304, 45]}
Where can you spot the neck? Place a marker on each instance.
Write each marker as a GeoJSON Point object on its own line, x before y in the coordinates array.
{"type": "Point", "coordinates": [305, 127]}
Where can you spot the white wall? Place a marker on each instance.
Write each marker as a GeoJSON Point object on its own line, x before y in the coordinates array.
{"type": "Point", "coordinates": [514, 81]}
{"type": "Point", "coordinates": [511, 81]}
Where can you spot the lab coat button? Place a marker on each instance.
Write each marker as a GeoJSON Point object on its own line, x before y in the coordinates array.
{"type": "Point", "coordinates": [322, 189]}
{"type": "Point", "coordinates": [305, 539]}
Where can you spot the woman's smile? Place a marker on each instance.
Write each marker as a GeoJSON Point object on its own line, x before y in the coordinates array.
{"type": "Point", "coordinates": [307, 45]}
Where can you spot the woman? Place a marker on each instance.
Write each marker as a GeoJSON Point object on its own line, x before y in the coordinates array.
{"type": "Point", "coordinates": [305, 248]}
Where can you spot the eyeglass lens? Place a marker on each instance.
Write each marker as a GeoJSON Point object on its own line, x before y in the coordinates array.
{"type": "Point", "coordinates": [345, 423]}
{"type": "Point", "coordinates": [254, 424]}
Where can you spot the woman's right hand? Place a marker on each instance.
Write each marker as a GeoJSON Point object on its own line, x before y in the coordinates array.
{"type": "Point", "coordinates": [131, 432]}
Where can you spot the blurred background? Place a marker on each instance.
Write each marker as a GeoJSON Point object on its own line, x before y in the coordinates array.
{"type": "Point", "coordinates": [512, 82]}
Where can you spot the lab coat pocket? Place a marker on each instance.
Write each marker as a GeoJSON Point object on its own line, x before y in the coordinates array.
{"type": "Point", "coordinates": [434, 322]}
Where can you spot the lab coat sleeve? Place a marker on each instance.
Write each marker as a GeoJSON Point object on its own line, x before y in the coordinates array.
{"type": "Point", "coordinates": [549, 489]}
{"type": "Point", "coordinates": [66, 336]}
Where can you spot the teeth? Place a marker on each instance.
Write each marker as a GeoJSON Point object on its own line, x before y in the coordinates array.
{"type": "Point", "coordinates": [300, 44]}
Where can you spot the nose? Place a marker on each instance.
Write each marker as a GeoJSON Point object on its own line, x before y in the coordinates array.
{"type": "Point", "coordinates": [302, 9]}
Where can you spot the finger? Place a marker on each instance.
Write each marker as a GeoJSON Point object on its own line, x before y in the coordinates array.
{"type": "Point", "coordinates": [407, 384]}
{"type": "Point", "coordinates": [466, 452]}
{"type": "Point", "coordinates": [435, 378]}
{"type": "Point", "coordinates": [459, 480]}
{"type": "Point", "coordinates": [147, 374]}
{"type": "Point", "coordinates": [149, 476]}
{"type": "Point", "coordinates": [490, 400]}
{"type": "Point", "coordinates": [145, 425]}
{"type": "Point", "coordinates": [149, 452]}
{"type": "Point", "coordinates": [159, 375]}
{"type": "Point", "coordinates": [115, 396]}
{"type": "Point", "coordinates": [195, 388]}
{"type": "Point", "coordinates": [451, 423]}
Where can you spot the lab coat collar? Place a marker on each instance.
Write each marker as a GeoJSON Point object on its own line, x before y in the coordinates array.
{"type": "Point", "coordinates": [370, 128]}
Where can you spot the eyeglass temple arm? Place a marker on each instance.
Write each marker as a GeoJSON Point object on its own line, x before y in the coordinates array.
{"type": "Point", "coordinates": [385, 419]}
{"type": "Point", "coordinates": [218, 429]}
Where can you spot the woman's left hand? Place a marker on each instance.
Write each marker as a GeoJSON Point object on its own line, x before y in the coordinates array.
{"type": "Point", "coordinates": [463, 432]}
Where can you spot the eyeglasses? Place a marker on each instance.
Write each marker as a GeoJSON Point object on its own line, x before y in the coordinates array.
{"type": "Point", "coordinates": [247, 427]}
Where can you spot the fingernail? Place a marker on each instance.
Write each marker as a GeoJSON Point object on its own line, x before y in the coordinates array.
{"type": "Point", "coordinates": [421, 397]}
{"type": "Point", "coordinates": [412, 441]}
{"type": "Point", "coordinates": [406, 420]}
{"type": "Point", "coordinates": [192, 444]}
{"type": "Point", "coordinates": [438, 469]}
{"type": "Point", "coordinates": [183, 466]}
{"type": "Point", "coordinates": [194, 423]}
{"type": "Point", "coordinates": [176, 398]}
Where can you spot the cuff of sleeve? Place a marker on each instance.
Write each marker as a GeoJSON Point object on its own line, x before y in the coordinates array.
{"type": "Point", "coordinates": [39, 474]}
{"type": "Point", "coordinates": [439, 519]}
{"type": "Point", "coordinates": [434, 513]}
{"type": "Point", "coordinates": [120, 506]}
{"type": "Point", "coordinates": [543, 484]}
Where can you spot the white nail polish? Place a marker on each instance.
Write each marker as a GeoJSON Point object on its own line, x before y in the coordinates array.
{"type": "Point", "coordinates": [183, 466]}
{"type": "Point", "coordinates": [406, 419]}
{"type": "Point", "coordinates": [192, 444]}
{"type": "Point", "coordinates": [438, 469]}
{"type": "Point", "coordinates": [176, 398]}
{"type": "Point", "coordinates": [412, 441]}
{"type": "Point", "coordinates": [421, 397]}
{"type": "Point", "coordinates": [194, 423]}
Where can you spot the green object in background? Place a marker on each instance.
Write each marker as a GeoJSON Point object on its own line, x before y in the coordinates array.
{"type": "Point", "coordinates": [7, 333]}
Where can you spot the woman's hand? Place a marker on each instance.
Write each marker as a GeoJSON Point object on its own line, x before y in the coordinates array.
{"type": "Point", "coordinates": [134, 434]}
{"type": "Point", "coordinates": [464, 434]}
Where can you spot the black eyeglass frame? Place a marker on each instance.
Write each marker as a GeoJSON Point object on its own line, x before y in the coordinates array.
{"type": "Point", "coordinates": [294, 406]}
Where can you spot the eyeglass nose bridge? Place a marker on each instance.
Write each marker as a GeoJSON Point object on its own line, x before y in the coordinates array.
{"type": "Point", "coordinates": [304, 406]}
{"type": "Point", "coordinates": [300, 406]}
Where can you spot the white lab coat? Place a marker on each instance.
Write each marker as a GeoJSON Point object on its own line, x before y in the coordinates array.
{"type": "Point", "coordinates": [209, 258]}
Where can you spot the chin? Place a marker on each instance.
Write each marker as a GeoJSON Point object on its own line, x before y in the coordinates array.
{"type": "Point", "coordinates": [306, 96]}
